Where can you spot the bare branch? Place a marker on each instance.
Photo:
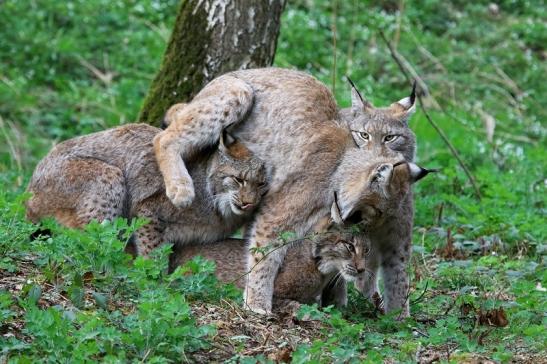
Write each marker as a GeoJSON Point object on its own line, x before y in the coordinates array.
{"type": "Point", "coordinates": [406, 69]}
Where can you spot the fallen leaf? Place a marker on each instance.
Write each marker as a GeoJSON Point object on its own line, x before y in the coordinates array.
{"type": "Point", "coordinates": [281, 356]}
{"type": "Point", "coordinates": [88, 277]}
{"type": "Point", "coordinates": [495, 317]}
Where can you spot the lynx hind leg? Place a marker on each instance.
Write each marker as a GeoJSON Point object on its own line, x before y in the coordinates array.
{"type": "Point", "coordinates": [151, 235]}
{"type": "Point", "coordinates": [84, 190]}
{"type": "Point", "coordinates": [222, 102]}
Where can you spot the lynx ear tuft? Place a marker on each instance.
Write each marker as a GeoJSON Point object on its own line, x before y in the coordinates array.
{"type": "Point", "coordinates": [413, 93]}
{"type": "Point", "coordinates": [335, 211]}
{"type": "Point", "coordinates": [407, 105]}
{"type": "Point", "coordinates": [358, 103]}
{"type": "Point", "coordinates": [225, 141]}
{"type": "Point", "coordinates": [417, 172]}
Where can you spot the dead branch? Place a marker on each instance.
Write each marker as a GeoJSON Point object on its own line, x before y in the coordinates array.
{"type": "Point", "coordinates": [405, 69]}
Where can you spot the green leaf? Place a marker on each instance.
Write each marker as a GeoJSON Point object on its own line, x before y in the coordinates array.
{"type": "Point", "coordinates": [100, 300]}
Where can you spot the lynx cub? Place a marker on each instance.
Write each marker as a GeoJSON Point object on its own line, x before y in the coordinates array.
{"type": "Point", "coordinates": [113, 173]}
{"type": "Point", "coordinates": [309, 267]}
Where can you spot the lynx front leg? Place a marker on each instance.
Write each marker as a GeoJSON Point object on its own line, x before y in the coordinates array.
{"type": "Point", "coordinates": [222, 102]}
{"type": "Point", "coordinates": [396, 279]}
{"type": "Point", "coordinates": [368, 285]}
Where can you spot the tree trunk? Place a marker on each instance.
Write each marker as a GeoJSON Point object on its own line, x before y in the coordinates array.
{"type": "Point", "coordinates": [212, 37]}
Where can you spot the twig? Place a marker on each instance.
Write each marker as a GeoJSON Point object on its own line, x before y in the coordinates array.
{"type": "Point", "coordinates": [421, 297]}
{"type": "Point", "coordinates": [439, 131]}
{"type": "Point", "coordinates": [268, 253]}
{"type": "Point", "coordinates": [405, 67]}
{"type": "Point", "coordinates": [401, 9]}
{"type": "Point", "coordinates": [351, 44]}
{"type": "Point", "coordinates": [440, 216]}
{"type": "Point", "coordinates": [334, 11]}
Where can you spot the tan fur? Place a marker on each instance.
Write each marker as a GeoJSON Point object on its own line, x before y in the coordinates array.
{"type": "Point", "coordinates": [309, 266]}
{"type": "Point", "coordinates": [114, 174]}
{"type": "Point", "coordinates": [291, 121]}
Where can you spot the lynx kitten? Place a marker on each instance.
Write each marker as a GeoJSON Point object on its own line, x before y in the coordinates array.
{"type": "Point", "coordinates": [113, 173]}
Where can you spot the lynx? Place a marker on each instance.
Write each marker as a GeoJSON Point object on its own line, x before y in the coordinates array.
{"type": "Point", "coordinates": [113, 173]}
{"type": "Point", "coordinates": [309, 267]}
{"type": "Point", "coordinates": [379, 206]}
{"type": "Point", "coordinates": [291, 121]}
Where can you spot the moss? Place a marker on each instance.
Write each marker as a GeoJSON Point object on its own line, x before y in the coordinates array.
{"type": "Point", "coordinates": [181, 72]}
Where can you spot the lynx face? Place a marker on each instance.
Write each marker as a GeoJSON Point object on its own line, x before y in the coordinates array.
{"type": "Point", "coordinates": [342, 252]}
{"type": "Point", "coordinates": [237, 180]}
{"type": "Point", "coordinates": [383, 131]}
{"type": "Point", "coordinates": [372, 189]}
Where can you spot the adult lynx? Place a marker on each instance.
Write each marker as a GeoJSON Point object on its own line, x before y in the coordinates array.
{"type": "Point", "coordinates": [291, 122]}
{"type": "Point", "coordinates": [379, 204]}
{"type": "Point", "coordinates": [114, 173]}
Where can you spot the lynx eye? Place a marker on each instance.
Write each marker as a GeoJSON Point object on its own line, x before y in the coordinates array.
{"type": "Point", "coordinates": [349, 246]}
{"type": "Point", "coordinates": [237, 180]}
{"type": "Point", "coordinates": [390, 138]}
{"type": "Point", "coordinates": [364, 135]}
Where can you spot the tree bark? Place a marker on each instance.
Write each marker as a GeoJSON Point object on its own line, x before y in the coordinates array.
{"type": "Point", "coordinates": [212, 37]}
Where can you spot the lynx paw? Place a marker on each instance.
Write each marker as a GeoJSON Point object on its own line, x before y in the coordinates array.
{"type": "Point", "coordinates": [258, 307]}
{"type": "Point", "coordinates": [259, 311]}
{"type": "Point", "coordinates": [181, 193]}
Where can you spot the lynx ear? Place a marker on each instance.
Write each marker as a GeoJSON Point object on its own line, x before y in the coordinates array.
{"type": "Point", "coordinates": [358, 103]}
{"type": "Point", "coordinates": [417, 172]}
{"type": "Point", "coordinates": [225, 141]}
{"type": "Point", "coordinates": [335, 211]}
{"type": "Point", "coordinates": [407, 106]}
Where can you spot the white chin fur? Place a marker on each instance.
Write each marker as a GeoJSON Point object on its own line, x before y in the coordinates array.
{"type": "Point", "coordinates": [236, 210]}
{"type": "Point", "coordinates": [348, 277]}
{"type": "Point", "coordinates": [224, 205]}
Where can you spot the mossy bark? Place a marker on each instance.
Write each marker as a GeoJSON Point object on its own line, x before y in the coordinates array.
{"type": "Point", "coordinates": [211, 37]}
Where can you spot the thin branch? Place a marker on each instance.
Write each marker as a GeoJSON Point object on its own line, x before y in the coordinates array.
{"type": "Point", "coordinates": [439, 131]}
{"type": "Point", "coordinates": [351, 43]}
{"type": "Point", "coordinates": [334, 12]}
{"type": "Point", "coordinates": [421, 297]}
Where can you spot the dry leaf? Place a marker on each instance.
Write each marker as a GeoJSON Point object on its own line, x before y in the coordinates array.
{"type": "Point", "coordinates": [495, 317]}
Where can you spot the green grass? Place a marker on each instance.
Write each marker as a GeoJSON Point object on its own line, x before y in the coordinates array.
{"type": "Point", "coordinates": [70, 68]}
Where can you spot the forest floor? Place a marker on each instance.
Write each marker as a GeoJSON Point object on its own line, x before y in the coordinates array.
{"type": "Point", "coordinates": [478, 272]}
